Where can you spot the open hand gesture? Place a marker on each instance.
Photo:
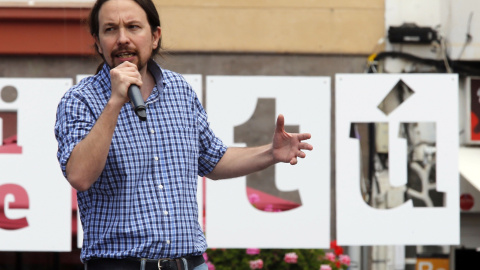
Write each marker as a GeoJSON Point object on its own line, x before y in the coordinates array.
{"type": "Point", "coordinates": [287, 147]}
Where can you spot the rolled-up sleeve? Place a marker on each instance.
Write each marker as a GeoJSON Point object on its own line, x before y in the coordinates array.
{"type": "Point", "coordinates": [212, 148]}
{"type": "Point", "coordinates": [74, 121]}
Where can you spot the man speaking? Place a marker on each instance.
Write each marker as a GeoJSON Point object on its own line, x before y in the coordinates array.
{"type": "Point", "coordinates": [137, 180]}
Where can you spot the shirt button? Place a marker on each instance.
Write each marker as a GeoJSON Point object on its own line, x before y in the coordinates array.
{"type": "Point", "coordinates": [165, 212]}
{"type": "Point", "coordinates": [156, 158]}
{"type": "Point", "coordinates": [160, 186]}
{"type": "Point", "coordinates": [152, 131]}
{"type": "Point", "coordinates": [168, 242]}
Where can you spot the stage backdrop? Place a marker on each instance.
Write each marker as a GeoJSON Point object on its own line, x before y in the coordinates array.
{"type": "Point", "coordinates": [284, 206]}
{"type": "Point", "coordinates": [35, 200]}
{"type": "Point", "coordinates": [397, 180]}
{"type": "Point", "coordinates": [195, 81]}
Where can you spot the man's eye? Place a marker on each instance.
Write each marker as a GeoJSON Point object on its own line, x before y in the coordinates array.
{"type": "Point", "coordinates": [109, 29]}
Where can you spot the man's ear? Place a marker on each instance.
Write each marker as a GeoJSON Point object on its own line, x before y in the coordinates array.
{"type": "Point", "coordinates": [97, 44]}
{"type": "Point", "coordinates": [157, 34]}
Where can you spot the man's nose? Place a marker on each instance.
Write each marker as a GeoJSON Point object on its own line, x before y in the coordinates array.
{"type": "Point", "coordinates": [123, 36]}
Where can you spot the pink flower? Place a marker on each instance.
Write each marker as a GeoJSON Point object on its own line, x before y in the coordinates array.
{"type": "Point", "coordinates": [257, 264]}
{"type": "Point", "coordinates": [268, 208]}
{"type": "Point", "coordinates": [344, 259]}
{"type": "Point", "coordinates": [205, 256]}
{"type": "Point", "coordinates": [253, 251]}
{"type": "Point", "coordinates": [330, 256]}
{"type": "Point", "coordinates": [291, 257]}
{"type": "Point", "coordinates": [325, 267]}
{"type": "Point", "coordinates": [254, 198]}
{"type": "Point", "coordinates": [210, 266]}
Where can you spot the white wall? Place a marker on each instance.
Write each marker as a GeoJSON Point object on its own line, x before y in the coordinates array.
{"type": "Point", "coordinates": [449, 17]}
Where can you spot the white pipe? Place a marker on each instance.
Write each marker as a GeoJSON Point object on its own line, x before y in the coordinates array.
{"type": "Point", "coordinates": [355, 254]}
{"type": "Point", "coordinates": [399, 258]}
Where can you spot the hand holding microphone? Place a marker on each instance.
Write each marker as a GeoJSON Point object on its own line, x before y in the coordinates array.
{"type": "Point", "coordinates": [127, 73]}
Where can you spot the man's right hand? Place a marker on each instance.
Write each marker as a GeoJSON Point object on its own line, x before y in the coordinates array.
{"type": "Point", "coordinates": [122, 76]}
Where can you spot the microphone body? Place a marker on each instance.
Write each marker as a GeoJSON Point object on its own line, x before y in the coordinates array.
{"type": "Point", "coordinates": [136, 100]}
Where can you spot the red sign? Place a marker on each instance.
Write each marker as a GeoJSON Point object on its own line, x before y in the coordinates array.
{"type": "Point", "coordinates": [466, 201]}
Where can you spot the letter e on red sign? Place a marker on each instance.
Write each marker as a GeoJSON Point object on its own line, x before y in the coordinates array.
{"type": "Point", "coordinates": [20, 201]}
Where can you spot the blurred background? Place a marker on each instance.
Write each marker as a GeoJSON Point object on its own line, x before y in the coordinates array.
{"type": "Point", "coordinates": [50, 39]}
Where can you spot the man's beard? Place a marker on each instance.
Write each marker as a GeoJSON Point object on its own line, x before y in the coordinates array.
{"type": "Point", "coordinates": [140, 64]}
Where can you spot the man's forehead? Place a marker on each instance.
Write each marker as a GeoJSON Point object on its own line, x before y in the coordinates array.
{"type": "Point", "coordinates": [126, 10]}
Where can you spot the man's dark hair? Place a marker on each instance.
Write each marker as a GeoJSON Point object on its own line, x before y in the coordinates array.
{"type": "Point", "coordinates": [146, 5]}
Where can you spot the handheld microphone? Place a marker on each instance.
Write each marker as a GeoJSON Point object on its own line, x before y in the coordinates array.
{"type": "Point", "coordinates": [136, 100]}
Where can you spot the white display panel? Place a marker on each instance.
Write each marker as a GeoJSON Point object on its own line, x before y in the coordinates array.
{"type": "Point", "coordinates": [195, 80]}
{"type": "Point", "coordinates": [35, 199]}
{"type": "Point", "coordinates": [434, 100]}
{"type": "Point", "coordinates": [232, 221]}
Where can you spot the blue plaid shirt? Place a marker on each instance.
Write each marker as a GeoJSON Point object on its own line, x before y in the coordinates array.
{"type": "Point", "coordinates": [144, 203]}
